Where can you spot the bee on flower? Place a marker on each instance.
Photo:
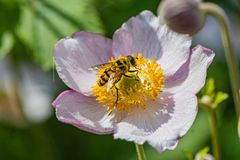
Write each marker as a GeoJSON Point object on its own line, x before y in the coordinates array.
{"type": "Point", "coordinates": [140, 86]}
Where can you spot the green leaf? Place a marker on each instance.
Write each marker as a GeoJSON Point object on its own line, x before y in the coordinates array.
{"type": "Point", "coordinates": [6, 43]}
{"type": "Point", "coordinates": [9, 15]}
{"type": "Point", "coordinates": [43, 23]}
{"type": "Point", "coordinates": [9, 18]}
{"type": "Point", "coordinates": [115, 12]}
{"type": "Point", "coordinates": [78, 14]}
{"type": "Point", "coordinates": [219, 98]}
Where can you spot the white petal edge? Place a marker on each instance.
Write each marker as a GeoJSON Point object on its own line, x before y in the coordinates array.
{"type": "Point", "coordinates": [83, 112]}
{"type": "Point", "coordinates": [192, 74]}
{"type": "Point", "coordinates": [146, 34]}
{"type": "Point", "coordinates": [73, 56]}
{"type": "Point", "coordinates": [162, 123]}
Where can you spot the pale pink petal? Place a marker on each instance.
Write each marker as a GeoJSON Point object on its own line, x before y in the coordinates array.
{"type": "Point", "coordinates": [83, 112]}
{"type": "Point", "coordinates": [192, 74]}
{"type": "Point", "coordinates": [74, 55]}
{"type": "Point", "coordinates": [162, 123]}
{"type": "Point", "coordinates": [147, 35]}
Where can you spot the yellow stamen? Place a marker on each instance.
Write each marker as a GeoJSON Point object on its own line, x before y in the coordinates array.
{"type": "Point", "coordinates": [135, 89]}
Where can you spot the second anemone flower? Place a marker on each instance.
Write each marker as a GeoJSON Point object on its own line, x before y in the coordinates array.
{"type": "Point", "coordinates": [141, 86]}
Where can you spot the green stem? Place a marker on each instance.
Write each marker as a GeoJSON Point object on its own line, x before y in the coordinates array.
{"type": "Point", "coordinates": [140, 152]}
{"type": "Point", "coordinates": [232, 62]}
{"type": "Point", "coordinates": [215, 135]}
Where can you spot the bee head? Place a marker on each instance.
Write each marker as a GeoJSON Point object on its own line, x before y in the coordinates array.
{"type": "Point", "coordinates": [131, 60]}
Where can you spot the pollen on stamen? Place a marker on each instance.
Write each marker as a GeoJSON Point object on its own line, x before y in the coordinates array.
{"type": "Point", "coordinates": [134, 90]}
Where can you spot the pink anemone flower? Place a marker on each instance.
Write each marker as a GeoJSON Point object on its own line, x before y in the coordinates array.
{"type": "Point", "coordinates": [145, 89]}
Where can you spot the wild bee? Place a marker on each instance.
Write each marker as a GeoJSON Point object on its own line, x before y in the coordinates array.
{"type": "Point", "coordinates": [114, 71]}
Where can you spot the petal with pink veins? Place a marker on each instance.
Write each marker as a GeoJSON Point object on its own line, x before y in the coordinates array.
{"type": "Point", "coordinates": [147, 35]}
{"type": "Point", "coordinates": [192, 74]}
{"type": "Point", "coordinates": [162, 123]}
{"type": "Point", "coordinates": [74, 56]}
{"type": "Point", "coordinates": [83, 112]}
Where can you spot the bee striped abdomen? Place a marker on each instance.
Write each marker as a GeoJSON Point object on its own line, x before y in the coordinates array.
{"type": "Point", "coordinates": [103, 79]}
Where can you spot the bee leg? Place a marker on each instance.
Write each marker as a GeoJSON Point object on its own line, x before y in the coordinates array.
{"type": "Point", "coordinates": [117, 95]}
{"type": "Point", "coordinates": [130, 77]}
{"type": "Point", "coordinates": [132, 70]}
{"type": "Point", "coordinates": [135, 69]}
{"type": "Point", "coordinates": [109, 113]}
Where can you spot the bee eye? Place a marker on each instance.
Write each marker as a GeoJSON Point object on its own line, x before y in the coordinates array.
{"type": "Point", "coordinates": [132, 60]}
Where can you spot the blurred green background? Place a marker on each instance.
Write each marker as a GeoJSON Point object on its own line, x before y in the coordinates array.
{"type": "Point", "coordinates": [29, 129]}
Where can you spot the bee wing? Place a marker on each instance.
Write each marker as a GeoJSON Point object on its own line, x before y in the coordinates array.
{"type": "Point", "coordinates": [99, 66]}
{"type": "Point", "coordinates": [113, 79]}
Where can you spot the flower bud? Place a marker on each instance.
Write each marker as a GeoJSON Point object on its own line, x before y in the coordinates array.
{"type": "Point", "coordinates": [204, 157]}
{"type": "Point", "coordinates": [182, 16]}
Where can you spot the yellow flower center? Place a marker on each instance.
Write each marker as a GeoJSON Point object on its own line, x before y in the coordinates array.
{"type": "Point", "coordinates": [141, 83]}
